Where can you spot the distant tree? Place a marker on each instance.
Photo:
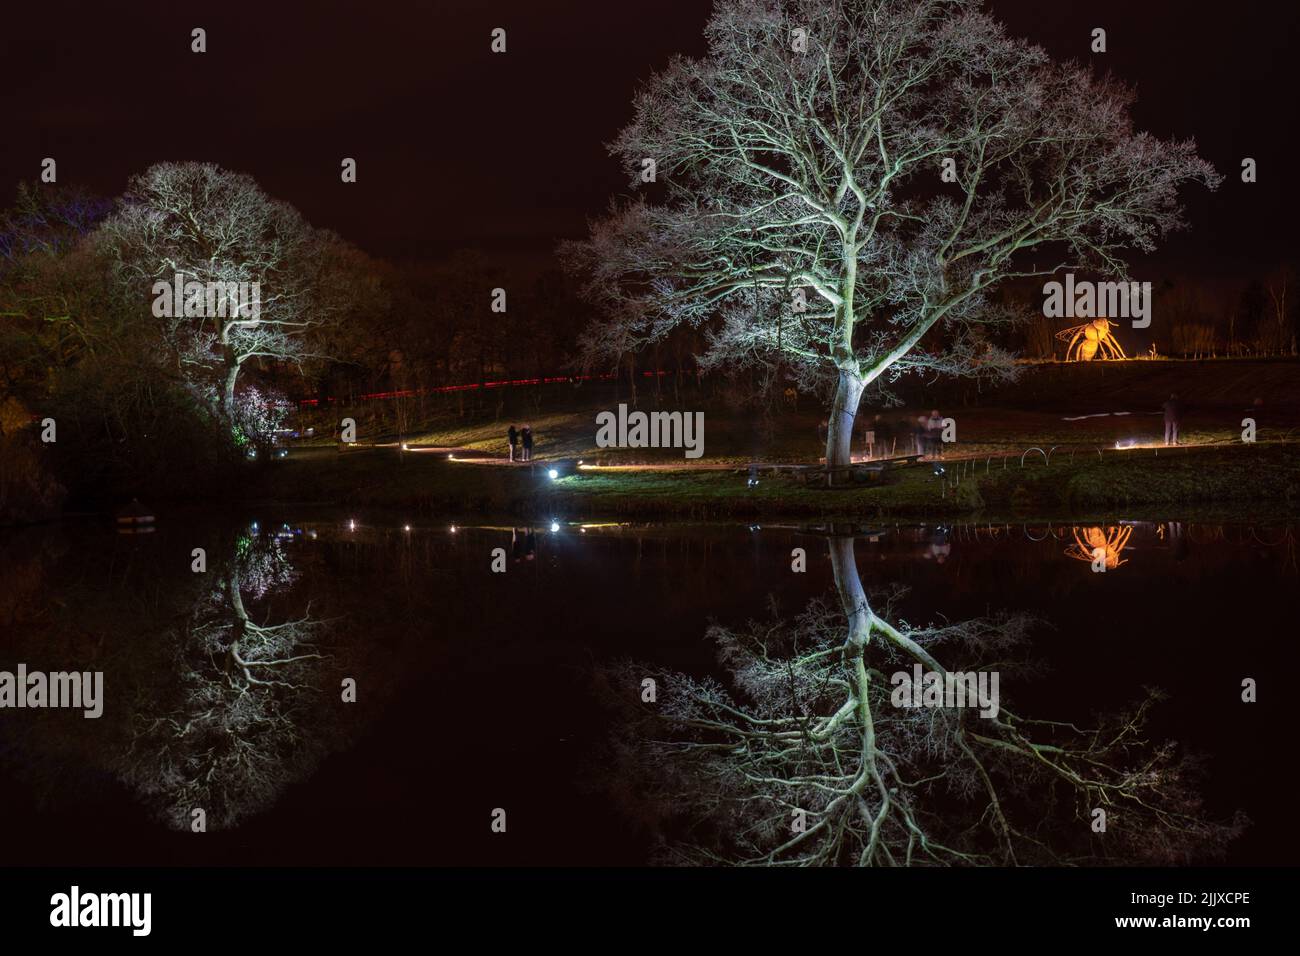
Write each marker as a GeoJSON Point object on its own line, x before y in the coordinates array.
{"type": "Point", "coordinates": [72, 349]}
{"type": "Point", "coordinates": [53, 306]}
{"type": "Point", "coordinates": [1278, 331]}
{"type": "Point", "coordinates": [1187, 319]}
{"type": "Point", "coordinates": [48, 220]}
{"type": "Point", "coordinates": [463, 301]}
{"type": "Point", "coordinates": [1250, 313]}
{"type": "Point", "coordinates": [809, 163]}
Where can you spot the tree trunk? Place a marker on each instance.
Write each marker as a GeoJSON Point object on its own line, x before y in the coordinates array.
{"type": "Point", "coordinates": [839, 430]}
{"type": "Point", "coordinates": [228, 394]}
{"type": "Point", "coordinates": [677, 379]}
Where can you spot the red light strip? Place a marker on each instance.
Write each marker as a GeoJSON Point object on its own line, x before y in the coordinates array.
{"type": "Point", "coordinates": [504, 383]}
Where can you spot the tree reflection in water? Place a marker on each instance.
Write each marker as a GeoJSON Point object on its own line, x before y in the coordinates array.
{"type": "Point", "coordinates": [225, 730]}
{"type": "Point", "coordinates": [804, 730]}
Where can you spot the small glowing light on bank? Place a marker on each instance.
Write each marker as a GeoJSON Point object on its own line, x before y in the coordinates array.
{"type": "Point", "coordinates": [406, 527]}
{"type": "Point", "coordinates": [453, 529]}
{"type": "Point", "coordinates": [451, 457]}
{"type": "Point", "coordinates": [352, 525]}
{"type": "Point", "coordinates": [555, 526]}
{"type": "Point", "coordinates": [553, 474]}
{"type": "Point", "coordinates": [405, 447]}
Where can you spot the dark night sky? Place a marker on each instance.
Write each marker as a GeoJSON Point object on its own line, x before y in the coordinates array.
{"type": "Point", "coordinates": [458, 146]}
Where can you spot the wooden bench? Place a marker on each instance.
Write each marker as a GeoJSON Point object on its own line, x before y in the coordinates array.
{"type": "Point", "coordinates": [859, 473]}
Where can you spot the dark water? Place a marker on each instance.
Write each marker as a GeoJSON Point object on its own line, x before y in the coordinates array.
{"type": "Point", "coordinates": [475, 689]}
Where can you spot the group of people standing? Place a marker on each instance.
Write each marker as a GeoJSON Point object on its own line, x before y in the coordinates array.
{"type": "Point", "coordinates": [884, 438]}
{"type": "Point", "coordinates": [521, 441]}
{"type": "Point", "coordinates": [922, 435]}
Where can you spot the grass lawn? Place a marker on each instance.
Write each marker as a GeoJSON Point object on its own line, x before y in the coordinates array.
{"type": "Point", "coordinates": [1261, 477]}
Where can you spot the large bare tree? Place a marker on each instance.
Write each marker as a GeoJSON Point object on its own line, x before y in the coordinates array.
{"type": "Point", "coordinates": [803, 158]}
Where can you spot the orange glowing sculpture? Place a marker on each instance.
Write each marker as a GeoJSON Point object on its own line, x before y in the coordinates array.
{"type": "Point", "coordinates": [1111, 542]}
{"type": "Point", "coordinates": [1089, 340]}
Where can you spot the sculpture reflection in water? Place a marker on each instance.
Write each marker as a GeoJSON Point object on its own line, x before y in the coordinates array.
{"type": "Point", "coordinates": [801, 755]}
{"type": "Point", "coordinates": [1101, 548]}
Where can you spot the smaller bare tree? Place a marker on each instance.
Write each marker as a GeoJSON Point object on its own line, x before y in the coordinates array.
{"type": "Point", "coordinates": [1278, 333]}
{"type": "Point", "coordinates": [203, 224]}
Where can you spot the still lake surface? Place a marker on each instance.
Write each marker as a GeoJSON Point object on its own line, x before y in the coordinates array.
{"type": "Point", "coordinates": [474, 689]}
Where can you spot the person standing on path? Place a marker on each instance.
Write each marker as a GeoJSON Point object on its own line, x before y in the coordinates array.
{"type": "Point", "coordinates": [918, 433]}
{"type": "Point", "coordinates": [513, 437]}
{"type": "Point", "coordinates": [934, 434]}
{"type": "Point", "coordinates": [527, 438]}
{"type": "Point", "coordinates": [882, 436]}
{"type": "Point", "coordinates": [1173, 418]}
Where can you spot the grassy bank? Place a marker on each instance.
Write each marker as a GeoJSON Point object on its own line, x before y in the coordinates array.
{"type": "Point", "coordinates": [737, 438]}
{"type": "Point", "coordinates": [1261, 477]}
